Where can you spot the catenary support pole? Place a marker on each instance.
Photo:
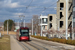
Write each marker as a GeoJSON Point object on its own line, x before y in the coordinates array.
{"type": "Point", "coordinates": [72, 30]}
{"type": "Point", "coordinates": [66, 19]}
{"type": "Point", "coordinates": [18, 23]}
{"type": "Point", "coordinates": [32, 26]}
{"type": "Point", "coordinates": [41, 26]}
{"type": "Point", "coordinates": [24, 23]}
{"type": "Point", "coordinates": [3, 30]}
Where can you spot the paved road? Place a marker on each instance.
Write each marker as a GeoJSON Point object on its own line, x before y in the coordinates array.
{"type": "Point", "coordinates": [37, 44]}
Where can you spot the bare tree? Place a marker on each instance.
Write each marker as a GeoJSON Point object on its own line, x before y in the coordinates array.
{"type": "Point", "coordinates": [58, 33]}
{"type": "Point", "coordinates": [36, 27]}
{"type": "Point", "coordinates": [51, 32]}
{"type": "Point", "coordinates": [29, 25]}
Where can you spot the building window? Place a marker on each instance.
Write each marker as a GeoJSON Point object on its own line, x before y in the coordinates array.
{"type": "Point", "coordinates": [61, 24]}
{"type": "Point", "coordinates": [50, 25]}
{"type": "Point", "coordinates": [61, 6]}
{"type": "Point", "coordinates": [61, 15]}
{"type": "Point", "coordinates": [50, 18]}
{"type": "Point", "coordinates": [44, 20]}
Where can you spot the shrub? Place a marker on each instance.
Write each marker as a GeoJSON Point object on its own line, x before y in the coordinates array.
{"type": "Point", "coordinates": [68, 41]}
{"type": "Point", "coordinates": [71, 42]}
{"type": "Point", "coordinates": [62, 41]}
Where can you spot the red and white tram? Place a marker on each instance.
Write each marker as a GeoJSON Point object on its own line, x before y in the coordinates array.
{"type": "Point", "coordinates": [23, 34]}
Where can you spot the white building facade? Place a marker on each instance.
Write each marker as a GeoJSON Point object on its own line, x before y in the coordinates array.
{"type": "Point", "coordinates": [43, 22]}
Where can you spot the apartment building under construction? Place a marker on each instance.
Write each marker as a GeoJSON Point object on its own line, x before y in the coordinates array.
{"type": "Point", "coordinates": [61, 14]}
{"type": "Point", "coordinates": [52, 21]}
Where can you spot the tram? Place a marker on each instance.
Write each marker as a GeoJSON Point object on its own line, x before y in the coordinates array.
{"type": "Point", "coordinates": [23, 34]}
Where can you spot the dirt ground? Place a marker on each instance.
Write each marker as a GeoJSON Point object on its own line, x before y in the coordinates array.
{"type": "Point", "coordinates": [5, 32]}
{"type": "Point", "coordinates": [5, 43]}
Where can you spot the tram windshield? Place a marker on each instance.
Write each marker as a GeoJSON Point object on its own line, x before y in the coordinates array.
{"type": "Point", "coordinates": [24, 32]}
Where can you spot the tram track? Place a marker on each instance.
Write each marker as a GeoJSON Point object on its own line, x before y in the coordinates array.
{"type": "Point", "coordinates": [25, 46]}
{"type": "Point", "coordinates": [21, 44]}
{"type": "Point", "coordinates": [45, 44]}
{"type": "Point", "coordinates": [29, 45]}
{"type": "Point", "coordinates": [36, 46]}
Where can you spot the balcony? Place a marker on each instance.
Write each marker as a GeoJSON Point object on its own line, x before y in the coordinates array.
{"type": "Point", "coordinates": [43, 23]}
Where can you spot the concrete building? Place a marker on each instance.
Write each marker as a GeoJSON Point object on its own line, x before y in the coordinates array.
{"type": "Point", "coordinates": [70, 13]}
{"type": "Point", "coordinates": [61, 14]}
{"type": "Point", "coordinates": [44, 22]}
{"type": "Point", "coordinates": [52, 21]}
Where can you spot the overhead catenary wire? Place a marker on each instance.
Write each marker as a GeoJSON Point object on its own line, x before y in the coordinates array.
{"type": "Point", "coordinates": [48, 7]}
{"type": "Point", "coordinates": [28, 5]}
{"type": "Point", "coordinates": [39, 7]}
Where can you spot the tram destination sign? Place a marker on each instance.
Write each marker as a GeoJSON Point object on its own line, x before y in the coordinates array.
{"type": "Point", "coordinates": [24, 30]}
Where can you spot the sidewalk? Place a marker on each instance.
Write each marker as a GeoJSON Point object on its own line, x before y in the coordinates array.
{"type": "Point", "coordinates": [14, 44]}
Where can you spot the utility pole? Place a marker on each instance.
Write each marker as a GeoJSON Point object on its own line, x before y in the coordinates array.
{"type": "Point", "coordinates": [72, 30]}
{"type": "Point", "coordinates": [58, 27]}
{"type": "Point", "coordinates": [66, 19]}
{"type": "Point", "coordinates": [24, 23]}
{"type": "Point", "coordinates": [7, 27]}
{"type": "Point", "coordinates": [3, 30]}
{"type": "Point", "coordinates": [32, 26]}
{"type": "Point", "coordinates": [58, 24]}
{"type": "Point", "coordinates": [18, 23]}
{"type": "Point", "coordinates": [41, 26]}
{"type": "Point", "coordinates": [73, 20]}
{"type": "Point", "coordinates": [22, 18]}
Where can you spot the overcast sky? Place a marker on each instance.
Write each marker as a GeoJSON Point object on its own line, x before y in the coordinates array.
{"type": "Point", "coordinates": [11, 9]}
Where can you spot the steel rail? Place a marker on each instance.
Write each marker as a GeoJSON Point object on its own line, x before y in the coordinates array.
{"type": "Point", "coordinates": [36, 46]}
{"type": "Point", "coordinates": [62, 48]}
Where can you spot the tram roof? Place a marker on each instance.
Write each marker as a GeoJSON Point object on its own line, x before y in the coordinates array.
{"type": "Point", "coordinates": [24, 28]}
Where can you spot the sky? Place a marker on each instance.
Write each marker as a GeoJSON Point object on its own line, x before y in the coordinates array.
{"type": "Point", "coordinates": [12, 9]}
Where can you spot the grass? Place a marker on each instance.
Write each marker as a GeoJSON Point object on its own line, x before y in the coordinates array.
{"type": "Point", "coordinates": [9, 32]}
{"type": "Point", "coordinates": [5, 43]}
